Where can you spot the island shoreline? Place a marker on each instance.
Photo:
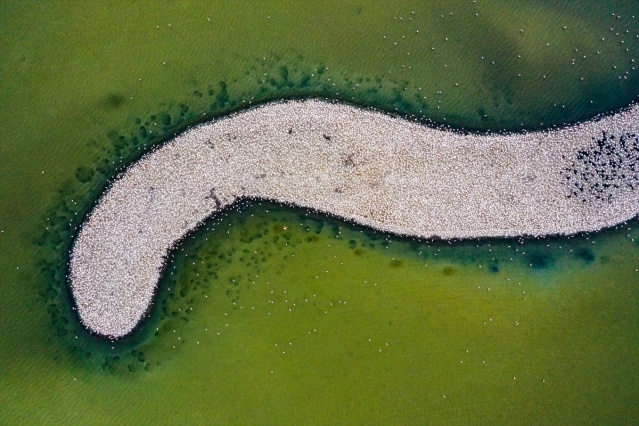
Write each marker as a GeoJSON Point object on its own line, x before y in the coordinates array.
{"type": "Point", "coordinates": [122, 174]}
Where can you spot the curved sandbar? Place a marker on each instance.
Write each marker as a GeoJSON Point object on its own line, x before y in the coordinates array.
{"type": "Point", "coordinates": [377, 170]}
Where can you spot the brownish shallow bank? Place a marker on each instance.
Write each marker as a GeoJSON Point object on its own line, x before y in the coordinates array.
{"type": "Point", "coordinates": [377, 170]}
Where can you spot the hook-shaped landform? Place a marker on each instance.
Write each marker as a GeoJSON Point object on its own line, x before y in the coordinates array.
{"type": "Point", "coordinates": [365, 166]}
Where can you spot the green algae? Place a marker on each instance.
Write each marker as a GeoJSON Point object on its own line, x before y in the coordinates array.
{"type": "Point", "coordinates": [557, 345]}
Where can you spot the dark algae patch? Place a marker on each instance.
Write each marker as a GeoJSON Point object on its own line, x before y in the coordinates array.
{"type": "Point", "coordinates": [586, 255]}
{"type": "Point", "coordinates": [113, 100]}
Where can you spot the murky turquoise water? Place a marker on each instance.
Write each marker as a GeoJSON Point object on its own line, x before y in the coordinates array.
{"type": "Point", "coordinates": [271, 314]}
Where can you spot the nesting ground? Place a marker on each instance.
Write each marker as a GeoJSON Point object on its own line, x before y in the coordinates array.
{"type": "Point", "coordinates": [374, 169]}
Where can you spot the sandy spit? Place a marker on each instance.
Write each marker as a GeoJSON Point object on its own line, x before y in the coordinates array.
{"type": "Point", "coordinates": [377, 170]}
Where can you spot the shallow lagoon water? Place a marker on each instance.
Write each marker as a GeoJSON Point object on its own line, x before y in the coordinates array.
{"type": "Point", "coordinates": [565, 354]}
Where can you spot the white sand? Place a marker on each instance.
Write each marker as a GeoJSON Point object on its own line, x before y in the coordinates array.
{"type": "Point", "coordinates": [388, 173]}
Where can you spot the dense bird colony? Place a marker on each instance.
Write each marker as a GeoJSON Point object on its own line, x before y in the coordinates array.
{"type": "Point", "coordinates": [365, 166]}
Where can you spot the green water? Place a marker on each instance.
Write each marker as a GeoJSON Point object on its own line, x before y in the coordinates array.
{"type": "Point", "coordinates": [321, 322]}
